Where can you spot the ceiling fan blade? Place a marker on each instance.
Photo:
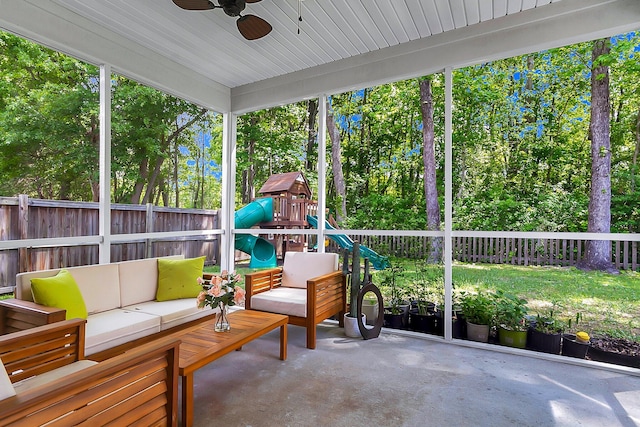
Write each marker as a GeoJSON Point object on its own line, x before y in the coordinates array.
{"type": "Point", "coordinates": [252, 1]}
{"type": "Point", "coordinates": [252, 27]}
{"type": "Point", "coordinates": [194, 4]}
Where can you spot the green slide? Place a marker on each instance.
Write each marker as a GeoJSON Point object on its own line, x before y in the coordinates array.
{"type": "Point", "coordinates": [379, 262]}
{"type": "Point", "coordinates": [263, 253]}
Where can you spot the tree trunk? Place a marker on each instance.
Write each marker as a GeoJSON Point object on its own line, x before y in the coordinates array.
{"type": "Point", "coordinates": [598, 252]}
{"type": "Point", "coordinates": [176, 189]}
{"type": "Point", "coordinates": [248, 189]}
{"type": "Point", "coordinates": [636, 154]}
{"type": "Point", "coordinates": [336, 165]}
{"type": "Point", "coordinates": [310, 162]}
{"type": "Point", "coordinates": [429, 160]}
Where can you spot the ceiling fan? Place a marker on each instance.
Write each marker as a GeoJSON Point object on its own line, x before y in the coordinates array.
{"type": "Point", "coordinates": [250, 26]}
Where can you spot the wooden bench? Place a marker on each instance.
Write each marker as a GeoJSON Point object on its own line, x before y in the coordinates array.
{"type": "Point", "coordinates": [138, 387]}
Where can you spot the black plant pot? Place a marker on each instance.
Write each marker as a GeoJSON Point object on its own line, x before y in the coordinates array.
{"type": "Point", "coordinates": [543, 342]}
{"type": "Point", "coordinates": [459, 326]}
{"type": "Point", "coordinates": [572, 348]}
{"type": "Point", "coordinates": [419, 322]}
{"type": "Point", "coordinates": [600, 355]}
{"type": "Point", "coordinates": [395, 321]}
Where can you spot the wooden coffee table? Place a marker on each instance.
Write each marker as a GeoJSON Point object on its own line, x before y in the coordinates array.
{"type": "Point", "coordinates": [201, 345]}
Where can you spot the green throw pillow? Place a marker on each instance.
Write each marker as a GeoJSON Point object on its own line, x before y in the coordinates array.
{"type": "Point", "coordinates": [178, 278]}
{"type": "Point", "coordinates": [60, 291]}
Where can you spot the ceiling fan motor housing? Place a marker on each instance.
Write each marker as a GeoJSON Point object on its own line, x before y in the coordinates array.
{"type": "Point", "coordinates": [232, 7]}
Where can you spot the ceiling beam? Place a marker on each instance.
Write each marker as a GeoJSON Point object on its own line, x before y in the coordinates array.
{"type": "Point", "coordinates": [558, 24]}
{"type": "Point", "coordinates": [58, 28]}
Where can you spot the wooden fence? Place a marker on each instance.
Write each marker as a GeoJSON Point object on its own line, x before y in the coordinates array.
{"type": "Point", "coordinates": [24, 218]}
{"type": "Point", "coordinates": [492, 250]}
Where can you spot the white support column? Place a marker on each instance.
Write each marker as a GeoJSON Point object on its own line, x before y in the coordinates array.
{"type": "Point", "coordinates": [227, 246]}
{"type": "Point", "coordinates": [104, 215]}
{"type": "Point", "coordinates": [448, 200]}
{"type": "Point", "coordinates": [322, 169]}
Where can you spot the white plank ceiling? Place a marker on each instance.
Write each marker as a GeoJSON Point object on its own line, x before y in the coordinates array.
{"type": "Point", "coordinates": [342, 45]}
{"type": "Point", "coordinates": [331, 30]}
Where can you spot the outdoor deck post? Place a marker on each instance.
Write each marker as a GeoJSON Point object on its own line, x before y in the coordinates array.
{"type": "Point", "coordinates": [322, 169]}
{"type": "Point", "coordinates": [229, 123]}
{"type": "Point", "coordinates": [104, 214]}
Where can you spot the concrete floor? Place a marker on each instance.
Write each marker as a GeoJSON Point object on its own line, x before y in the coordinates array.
{"type": "Point", "coordinates": [404, 380]}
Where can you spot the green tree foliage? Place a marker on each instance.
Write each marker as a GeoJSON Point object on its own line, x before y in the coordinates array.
{"type": "Point", "coordinates": [520, 141]}
{"type": "Point", "coordinates": [49, 135]}
{"type": "Point", "coordinates": [48, 123]}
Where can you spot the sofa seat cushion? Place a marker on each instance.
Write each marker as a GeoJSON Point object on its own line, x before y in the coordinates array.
{"type": "Point", "coordinates": [114, 327]}
{"type": "Point", "coordinates": [299, 267]}
{"type": "Point", "coordinates": [47, 377]}
{"type": "Point", "coordinates": [171, 313]}
{"type": "Point", "coordinates": [282, 300]}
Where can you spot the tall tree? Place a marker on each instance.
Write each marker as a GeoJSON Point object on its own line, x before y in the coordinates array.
{"type": "Point", "coordinates": [336, 165]}
{"type": "Point", "coordinates": [312, 133]}
{"type": "Point", "coordinates": [429, 161]}
{"type": "Point", "coordinates": [598, 252]}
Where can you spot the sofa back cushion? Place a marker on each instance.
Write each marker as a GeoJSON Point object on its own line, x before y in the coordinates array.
{"type": "Point", "coordinates": [299, 267]}
{"type": "Point", "coordinates": [98, 285]}
{"type": "Point", "coordinates": [139, 280]}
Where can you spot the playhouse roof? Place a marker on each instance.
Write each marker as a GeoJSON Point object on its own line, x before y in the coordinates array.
{"type": "Point", "coordinates": [282, 182]}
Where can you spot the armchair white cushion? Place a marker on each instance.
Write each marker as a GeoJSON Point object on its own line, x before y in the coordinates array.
{"type": "Point", "coordinates": [298, 267]}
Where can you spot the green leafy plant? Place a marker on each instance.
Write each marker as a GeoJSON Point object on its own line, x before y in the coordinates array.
{"type": "Point", "coordinates": [547, 321]}
{"type": "Point", "coordinates": [397, 292]}
{"type": "Point", "coordinates": [478, 307]}
{"type": "Point", "coordinates": [510, 311]}
{"type": "Point", "coordinates": [428, 287]}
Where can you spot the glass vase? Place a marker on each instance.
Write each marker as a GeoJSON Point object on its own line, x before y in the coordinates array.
{"type": "Point", "coordinates": [222, 319]}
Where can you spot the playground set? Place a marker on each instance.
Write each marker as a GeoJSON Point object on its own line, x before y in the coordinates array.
{"type": "Point", "coordinates": [286, 202]}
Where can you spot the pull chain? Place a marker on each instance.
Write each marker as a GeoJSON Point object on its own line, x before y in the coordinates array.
{"type": "Point", "coordinates": [299, 14]}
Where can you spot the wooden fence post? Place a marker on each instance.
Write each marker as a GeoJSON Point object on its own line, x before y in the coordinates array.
{"type": "Point", "coordinates": [23, 227]}
{"type": "Point", "coordinates": [148, 245]}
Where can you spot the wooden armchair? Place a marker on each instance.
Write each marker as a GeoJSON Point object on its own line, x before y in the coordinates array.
{"type": "Point", "coordinates": [308, 288]}
{"type": "Point", "coordinates": [52, 380]}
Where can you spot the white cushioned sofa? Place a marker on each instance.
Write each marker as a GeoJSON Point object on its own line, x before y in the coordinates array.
{"type": "Point", "coordinates": [120, 300]}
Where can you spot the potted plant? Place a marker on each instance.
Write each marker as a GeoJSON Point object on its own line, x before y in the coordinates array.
{"type": "Point", "coordinates": [351, 327]}
{"type": "Point", "coordinates": [545, 331]}
{"type": "Point", "coordinates": [575, 345]}
{"type": "Point", "coordinates": [425, 313]}
{"type": "Point", "coordinates": [478, 309]}
{"type": "Point", "coordinates": [396, 312]}
{"type": "Point", "coordinates": [510, 319]}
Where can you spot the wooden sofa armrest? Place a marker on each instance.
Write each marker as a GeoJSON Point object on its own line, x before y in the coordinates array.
{"type": "Point", "coordinates": [261, 281]}
{"type": "Point", "coordinates": [18, 315]}
{"type": "Point", "coordinates": [139, 387]}
{"type": "Point", "coordinates": [326, 296]}
{"type": "Point", "coordinates": [43, 348]}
